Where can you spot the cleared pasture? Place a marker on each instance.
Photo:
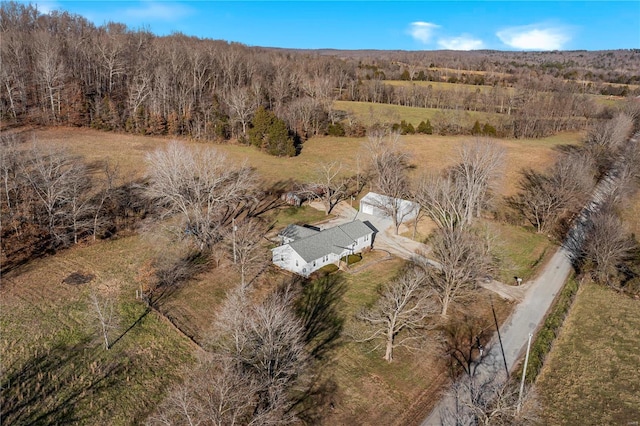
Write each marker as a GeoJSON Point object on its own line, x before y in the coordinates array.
{"type": "Point", "coordinates": [429, 153]}
{"type": "Point", "coordinates": [55, 369]}
{"type": "Point", "coordinates": [368, 390]}
{"type": "Point", "coordinates": [441, 85]}
{"type": "Point", "coordinates": [591, 374]}
{"type": "Point", "coordinates": [370, 113]}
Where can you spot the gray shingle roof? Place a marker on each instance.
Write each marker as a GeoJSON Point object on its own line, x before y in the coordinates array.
{"type": "Point", "coordinates": [297, 232]}
{"type": "Point", "coordinates": [334, 240]}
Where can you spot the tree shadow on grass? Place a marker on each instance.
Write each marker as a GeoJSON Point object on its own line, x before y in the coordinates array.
{"type": "Point", "coordinates": [49, 387]}
{"type": "Point", "coordinates": [319, 309]}
{"type": "Point", "coordinates": [136, 322]}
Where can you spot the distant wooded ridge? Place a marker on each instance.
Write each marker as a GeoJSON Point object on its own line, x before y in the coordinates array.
{"type": "Point", "coordinates": [60, 69]}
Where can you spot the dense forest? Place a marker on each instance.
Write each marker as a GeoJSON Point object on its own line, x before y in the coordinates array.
{"type": "Point", "coordinates": [60, 69]}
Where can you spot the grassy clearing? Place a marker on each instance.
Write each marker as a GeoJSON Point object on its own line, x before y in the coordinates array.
{"type": "Point", "coordinates": [296, 215]}
{"type": "Point", "coordinates": [591, 375]}
{"type": "Point", "coordinates": [520, 251]}
{"type": "Point", "coordinates": [429, 152]}
{"type": "Point", "coordinates": [441, 85]}
{"type": "Point", "coordinates": [55, 368]}
{"type": "Point", "coordinates": [371, 113]}
{"type": "Point", "coordinates": [368, 389]}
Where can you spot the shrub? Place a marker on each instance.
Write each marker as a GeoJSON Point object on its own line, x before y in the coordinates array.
{"type": "Point", "coordinates": [425, 128]}
{"type": "Point", "coordinates": [336, 129]}
{"type": "Point", "coordinates": [489, 130]}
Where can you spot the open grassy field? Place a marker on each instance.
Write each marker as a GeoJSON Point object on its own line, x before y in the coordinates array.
{"type": "Point", "coordinates": [591, 374]}
{"type": "Point", "coordinates": [55, 369]}
{"type": "Point", "coordinates": [441, 85]}
{"type": "Point", "coordinates": [370, 391]}
{"type": "Point", "coordinates": [371, 113]}
{"type": "Point", "coordinates": [152, 351]}
{"type": "Point", "coordinates": [428, 152]}
{"type": "Point", "coordinates": [602, 100]}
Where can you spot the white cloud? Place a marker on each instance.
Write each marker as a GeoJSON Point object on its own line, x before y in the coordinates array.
{"type": "Point", "coordinates": [463, 42]}
{"type": "Point", "coordinates": [158, 10]}
{"type": "Point", "coordinates": [535, 37]}
{"type": "Point", "coordinates": [46, 7]}
{"type": "Point", "coordinates": [422, 31]}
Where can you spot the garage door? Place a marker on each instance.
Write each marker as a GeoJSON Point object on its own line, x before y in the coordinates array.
{"type": "Point", "coordinates": [366, 208]}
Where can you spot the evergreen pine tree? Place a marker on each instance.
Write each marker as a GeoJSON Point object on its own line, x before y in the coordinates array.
{"type": "Point", "coordinates": [476, 129]}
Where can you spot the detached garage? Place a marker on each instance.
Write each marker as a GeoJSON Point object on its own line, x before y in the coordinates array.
{"type": "Point", "coordinates": [382, 206]}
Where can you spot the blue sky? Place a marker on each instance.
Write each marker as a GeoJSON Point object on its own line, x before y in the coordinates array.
{"type": "Point", "coordinates": [413, 25]}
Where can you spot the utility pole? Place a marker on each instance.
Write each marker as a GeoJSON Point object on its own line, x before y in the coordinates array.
{"type": "Point", "coordinates": [233, 233]}
{"type": "Point", "coordinates": [524, 374]}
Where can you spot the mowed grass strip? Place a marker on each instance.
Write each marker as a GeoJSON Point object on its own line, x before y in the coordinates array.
{"type": "Point", "coordinates": [55, 367]}
{"type": "Point", "coordinates": [591, 374]}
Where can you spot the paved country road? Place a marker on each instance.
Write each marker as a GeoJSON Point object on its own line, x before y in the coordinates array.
{"type": "Point", "coordinates": [539, 295]}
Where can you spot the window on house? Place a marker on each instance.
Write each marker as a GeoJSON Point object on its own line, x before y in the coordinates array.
{"type": "Point", "coordinates": [296, 263]}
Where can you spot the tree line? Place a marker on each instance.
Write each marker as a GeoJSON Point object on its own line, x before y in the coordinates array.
{"type": "Point", "coordinates": [60, 69]}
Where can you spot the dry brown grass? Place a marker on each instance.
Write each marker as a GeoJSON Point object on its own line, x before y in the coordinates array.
{"type": "Point", "coordinates": [370, 391]}
{"type": "Point", "coordinates": [429, 152]}
{"type": "Point", "coordinates": [52, 354]}
{"type": "Point", "coordinates": [591, 374]}
{"type": "Point", "coordinates": [631, 214]}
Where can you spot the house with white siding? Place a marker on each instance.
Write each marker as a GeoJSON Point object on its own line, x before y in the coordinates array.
{"type": "Point", "coordinates": [305, 249]}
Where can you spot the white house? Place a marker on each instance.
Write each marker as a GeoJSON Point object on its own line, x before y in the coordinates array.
{"type": "Point", "coordinates": [305, 250]}
{"type": "Point", "coordinates": [382, 206]}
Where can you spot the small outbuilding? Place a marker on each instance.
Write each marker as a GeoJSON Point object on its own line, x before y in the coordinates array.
{"type": "Point", "coordinates": [383, 206]}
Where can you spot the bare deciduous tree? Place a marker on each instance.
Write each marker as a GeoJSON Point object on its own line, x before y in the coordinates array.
{"type": "Point", "coordinates": [201, 186]}
{"type": "Point", "coordinates": [103, 308]}
{"type": "Point", "coordinates": [441, 200]}
{"type": "Point", "coordinates": [462, 259]}
{"type": "Point", "coordinates": [397, 319]}
{"type": "Point", "coordinates": [60, 184]}
{"type": "Point", "coordinates": [266, 342]}
{"type": "Point", "coordinates": [481, 163]}
{"type": "Point", "coordinates": [489, 401]}
{"type": "Point", "coordinates": [388, 162]}
{"type": "Point", "coordinates": [244, 240]}
{"type": "Point", "coordinates": [544, 198]}
{"type": "Point", "coordinates": [605, 140]}
{"type": "Point", "coordinates": [241, 104]}
{"type": "Point", "coordinates": [329, 185]}
{"type": "Point", "coordinates": [607, 246]}
{"type": "Point", "coordinates": [215, 392]}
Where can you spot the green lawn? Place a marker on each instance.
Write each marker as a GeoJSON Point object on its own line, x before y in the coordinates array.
{"type": "Point", "coordinates": [591, 375]}
{"type": "Point", "coordinates": [520, 251]}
